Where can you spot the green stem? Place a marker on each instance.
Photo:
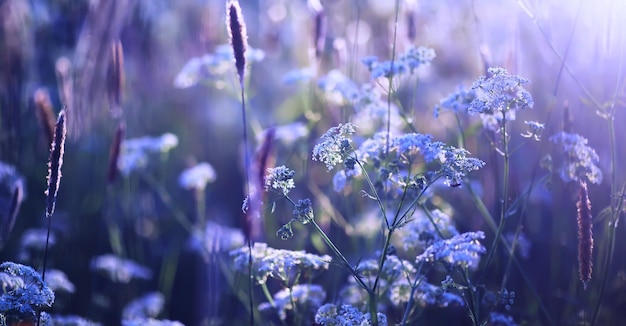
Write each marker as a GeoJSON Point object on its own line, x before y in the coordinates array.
{"type": "Point", "coordinates": [338, 253]}
{"type": "Point", "coordinates": [503, 195]}
{"type": "Point", "coordinates": [169, 203]}
{"type": "Point", "coordinates": [267, 294]}
{"type": "Point", "coordinates": [492, 224]}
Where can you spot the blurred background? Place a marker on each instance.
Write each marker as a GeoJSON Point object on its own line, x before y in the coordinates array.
{"type": "Point", "coordinates": [59, 52]}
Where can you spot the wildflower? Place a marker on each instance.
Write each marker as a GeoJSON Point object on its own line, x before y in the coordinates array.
{"type": "Point", "coordinates": [55, 163]}
{"type": "Point", "coordinates": [337, 88]}
{"type": "Point", "coordinates": [576, 160]}
{"type": "Point", "coordinates": [585, 235]}
{"type": "Point", "coordinates": [147, 306]}
{"type": "Point", "coordinates": [305, 297]}
{"type": "Point", "coordinates": [197, 177]}
{"type": "Point", "coordinates": [35, 239]}
{"type": "Point", "coordinates": [303, 211]}
{"type": "Point", "coordinates": [280, 179]}
{"type": "Point", "coordinates": [288, 134]}
{"type": "Point", "coordinates": [120, 270]}
{"type": "Point", "coordinates": [458, 101]}
{"type": "Point", "coordinates": [71, 320]}
{"type": "Point", "coordinates": [507, 298]}
{"type": "Point", "coordinates": [277, 263]}
{"type": "Point", "coordinates": [238, 36]}
{"type": "Point", "coordinates": [297, 76]}
{"type": "Point", "coordinates": [335, 146]}
{"type": "Point", "coordinates": [27, 295]}
{"type": "Point", "coordinates": [407, 62]}
{"type": "Point", "coordinates": [411, 143]}
{"type": "Point", "coordinates": [534, 130]}
{"type": "Point", "coordinates": [330, 315]}
{"type": "Point", "coordinates": [285, 232]}
{"type": "Point", "coordinates": [499, 319]}
{"type": "Point", "coordinates": [500, 92]}
{"type": "Point", "coordinates": [372, 111]}
{"type": "Point", "coordinates": [340, 181]}
{"type": "Point", "coordinates": [134, 153]}
{"type": "Point", "coordinates": [58, 281]}
{"type": "Point", "coordinates": [461, 250]}
{"type": "Point", "coordinates": [150, 322]}
{"type": "Point", "coordinates": [425, 294]}
{"type": "Point", "coordinates": [214, 238]}
{"type": "Point", "coordinates": [422, 231]}
{"type": "Point", "coordinates": [457, 164]}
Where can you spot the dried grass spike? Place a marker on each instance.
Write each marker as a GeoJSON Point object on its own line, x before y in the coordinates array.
{"type": "Point", "coordinates": [411, 25]}
{"type": "Point", "coordinates": [585, 235]}
{"type": "Point", "coordinates": [55, 163]}
{"type": "Point", "coordinates": [63, 69]}
{"type": "Point", "coordinates": [7, 219]}
{"type": "Point", "coordinates": [114, 153]}
{"type": "Point", "coordinates": [319, 37]}
{"type": "Point", "coordinates": [115, 78]}
{"type": "Point", "coordinates": [567, 118]}
{"type": "Point", "coordinates": [238, 36]}
{"type": "Point", "coordinates": [45, 114]}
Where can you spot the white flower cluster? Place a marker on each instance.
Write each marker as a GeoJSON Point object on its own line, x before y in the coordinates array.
{"type": "Point", "coordinates": [134, 153]}
{"type": "Point", "coordinates": [305, 297]}
{"type": "Point", "coordinates": [215, 238]}
{"type": "Point", "coordinates": [279, 264]}
{"type": "Point", "coordinates": [197, 176]}
{"type": "Point", "coordinates": [120, 270]}
{"type": "Point", "coordinates": [462, 250]}
{"type": "Point", "coordinates": [346, 315]}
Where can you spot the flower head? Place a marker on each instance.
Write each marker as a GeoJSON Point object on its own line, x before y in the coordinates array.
{"type": "Point", "coordinates": [303, 211]}
{"type": "Point", "coordinates": [335, 145]}
{"type": "Point", "coordinates": [197, 177]}
{"type": "Point", "coordinates": [147, 306]}
{"type": "Point", "coordinates": [577, 159]}
{"type": "Point", "coordinates": [306, 297]}
{"type": "Point", "coordinates": [462, 250]}
{"type": "Point", "coordinates": [277, 263]}
{"type": "Point", "coordinates": [280, 178]}
{"type": "Point", "coordinates": [500, 92]}
{"type": "Point", "coordinates": [120, 270]}
{"type": "Point", "coordinates": [457, 164]}
{"type": "Point", "coordinates": [24, 293]}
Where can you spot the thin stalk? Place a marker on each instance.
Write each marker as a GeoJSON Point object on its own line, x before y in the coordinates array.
{"type": "Point", "coordinates": [414, 286]}
{"type": "Point", "coordinates": [169, 203]}
{"type": "Point", "coordinates": [371, 185]}
{"type": "Point", "coordinates": [492, 224]}
{"type": "Point", "coordinates": [267, 294]}
{"type": "Point", "coordinates": [503, 195]}
{"type": "Point", "coordinates": [393, 59]}
{"type": "Point", "coordinates": [338, 253]}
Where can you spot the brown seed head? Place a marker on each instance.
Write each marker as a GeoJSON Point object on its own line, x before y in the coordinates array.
{"type": "Point", "coordinates": [319, 37]}
{"type": "Point", "coordinates": [567, 118]}
{"type": "Point", "coordinates": [115, 78]}
{"type": "Point", "coordinates": [63, 68]}
{"type": "Point", "coordinates": [585, 235]}
{"type": "Point", "coordinates": [45, 114]}
{"type": "Point", "coordinates": [55, 163]}
{"type": "Point", "coordinates": [411, 25]}
{"type": "Point", "coordinates": [114, 153]}
{"type": "Point", "coordinates": [238, 36]}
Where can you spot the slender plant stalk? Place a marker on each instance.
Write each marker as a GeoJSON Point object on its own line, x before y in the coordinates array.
{"type": "Point", "coordinates": [503, 195]}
